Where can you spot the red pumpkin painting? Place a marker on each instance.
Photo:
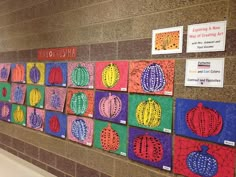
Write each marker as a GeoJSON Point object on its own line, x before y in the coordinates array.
{"type": "Point", "coordinates": [55, 75]}
{"type": "Point", "coordinates": [54, 124]}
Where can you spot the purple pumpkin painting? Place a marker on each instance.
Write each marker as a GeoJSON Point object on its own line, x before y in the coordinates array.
{"type": "Point", "coordinates": [5, 111]}
{"type": "Point", "coordinates": [35, 118]}
{"type": "Point", "coordinates": [18, 92]}
{"type": "Point", "coordinates": [55, 98]}
{"type": "Point", "coordinates": [35, 73]}
{"type": "Point", "coordinates": [80, 130]}
{"type": "Point", "coordinates": [4, 72]}
{"type": "Point", "coordinates": [111, 106]}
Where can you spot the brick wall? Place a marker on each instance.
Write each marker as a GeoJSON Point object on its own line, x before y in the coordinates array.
{"type": "Point", "coordinates": [104, 30]}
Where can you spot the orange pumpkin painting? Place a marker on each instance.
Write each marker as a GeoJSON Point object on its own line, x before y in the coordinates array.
{"type": "Point", "coordinates": [167, 40]}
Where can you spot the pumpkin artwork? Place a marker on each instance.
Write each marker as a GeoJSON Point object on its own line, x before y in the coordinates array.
{"type": "Point", "coordinates": [4, 92]}
{"type": "Point", "coordinates": [18, 94]}
{"type": "Point", "coordinates": [148, 148]}
{"type": "Point", "coordinates": [110, 106]}
{"type": "Point", "coordinates": [55, 101]}
{"type": "Point", "coordinates": [34, 74]}
{"type": "Point", "coordinates": [5, 111]}
{"type": "Point", "coordinates": [202, 163]}
{"type": "Point", "coordinates": [79, 129]}
{"type": "Point", "coordinates": [80, 76]}
{"type": "Point", "coordinates": [152, 78]}
{"type": "Point", "coordinates": [79, 103]}
{"type": "Point", "coordinates": [204, 121]}
{"type": "Point", "coordinates": [54, 124]}
{"type": "Point", "coordinates": [18, 73]}
{"type": "Point", "coordinates": [55, 75]}
{"type": "Point", "coordinates": [4, 73]}
{"type": "Point", "coordinates": [109, 138]}
{"type": "Point", "coordinates": [34, 97]}
{"type": "Point", "coordinates": [35, 120]}
{"type": "Point", "coordinates": [18, 115]}
{"type": "Point", "coordinates": [148, 113]}
{"type": "Point", "coordinates": [110, 75]}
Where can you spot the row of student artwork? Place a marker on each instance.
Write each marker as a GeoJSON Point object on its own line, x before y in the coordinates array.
{"type": "Point", "coordinates": [149, 76]}
{"type": "Point", "coordinates": [96, 110]}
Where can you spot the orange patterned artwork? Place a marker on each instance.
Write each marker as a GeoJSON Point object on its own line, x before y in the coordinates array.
{"type": "Point", "coordinates": [152, 77]}
{"type": "Point", "coordinates": [169, 40]}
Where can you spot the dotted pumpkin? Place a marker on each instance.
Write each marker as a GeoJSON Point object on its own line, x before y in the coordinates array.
{"type": "Point", "coordinates": [34, 74]}
{"type": "Point", "coordinates": [202, 163]}
{"type": "Point", "coordinates": [148, 113]}
{"type": "Point", "coordinates": [80, 76]}
{"type": "Point", "coordinates": [110, 75]}
{"type": "Point", "coordinates": [34, 97]}
{"type": "Point", "coordinates": [5, 111]}
{"type": "Point", "coordinates": [153, 78]}
{"type": "Point", "coordinates": [109, 138]}
{"type": "Point", "coordinates": [4, 73]}
{"type": "Point", "coordinates": [79, 129]}
{"type": "Point", "coordinates": [35, 120]}
{"type": "Point", "coordinates": [18, 115]}
{"type": "Point", "coordinates": [110, 106]}
{"type": "Point", "coordinates": [148, 148]}
{"type": "Point", "coordinates": [79, 103]}
{"type": "Point", "coordinates": [18, 95]}
{"type": "Point", "coordinates": [55, 100]}
{"type": "Point", "coordinates": [54, 124]}
{"type": "Point", "coordinates": [55, 75]}
{"type": "Point", "coordinates": [204, 121]}
{"type": "Point", "coordinates": [167, 40]}
{"type": "Point", "coordinates": [18, 73]}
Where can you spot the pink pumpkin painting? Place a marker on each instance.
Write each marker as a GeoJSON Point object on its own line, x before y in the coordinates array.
{"type": "Point", "coordinates": [35, 118]}
{"type": "Point", "coordinates": [80, 130]}
{"type": "Point", "coordinates": [80, 75]}
{"type": "Point", "coordinates": [55, 98]}
{"type": "Point", "coordinates": [112, 75]}
{"type": "Point", "coordinates": [5, 69]}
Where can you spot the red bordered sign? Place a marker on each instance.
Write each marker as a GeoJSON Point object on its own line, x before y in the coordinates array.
{"type": "Point", "coordinates": [67, 53]}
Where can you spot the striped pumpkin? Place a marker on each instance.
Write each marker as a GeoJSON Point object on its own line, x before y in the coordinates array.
{"type": "Point", "coordinates": [34, 97]}
{"type": "Point", "coordinates": [18, 73]}
{"type": "Point", "coordinates": [5, 111]}
{"type": "Point", "coordinates": [79, 103]}
{"type": "Point", "coordinates": [35, 120]}
{"type": "Point", "coordinates": [18, 95]}
{"type": "Point", "coordinates": [4, 73]}
{"type": "Point", "coordinates": [34, 74]}
{"type": "Point", "coordinates": [80, 76]}
{"type": "Point", "coordinates": [18, 115]}
{"type": "Point", "coordinates": [55, 75]}
{"type": "Point", "coordinates": [54, 124]}
{"type": "Point", "coordinates": [79, 129]}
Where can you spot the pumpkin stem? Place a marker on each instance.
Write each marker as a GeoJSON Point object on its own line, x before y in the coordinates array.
{"type": "Point", "coordinates": [200, 105]}
{"type": "Point", "coordinates": [18, 108]}
{"type": "Point", "coordinates": [149, 99]}
{"type": "Point", "coordinates": [109, 94]}
{"type": "Point", "coordinates": [108, 125]}
{"type": "Point", "coordinates": [34, 111]}
{"type": "Point", "coordinates": [204, 149]}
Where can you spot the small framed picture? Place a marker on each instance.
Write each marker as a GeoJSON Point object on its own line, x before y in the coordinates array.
{"type": "Point", "coordinates": [167, 40]}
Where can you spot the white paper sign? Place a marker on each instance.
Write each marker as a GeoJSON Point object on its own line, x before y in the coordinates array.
{"type": "Point", "coordinates": [204, 72]}
{"type": "Point", "coordinates": [206, 37]}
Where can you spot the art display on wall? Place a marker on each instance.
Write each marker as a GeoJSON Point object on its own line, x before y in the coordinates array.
{"type": "Point", "coordinates": [18, 92]}
{"type": "Point", "coordinates": [35, 118]}
{"type": "Point", "coordinates": [152, 77]}
{"type": "Point", "coordinates": [5, 111]}
{"type": "Point", "coordinates": [35, 96]}
{"type": "Point", "coordinates": [151, 112]}
{"type": "Point", "coordinates": [111, 106]}
{"type": "Point", "coordinates": [150, 147]}
{"type": "Point", "coordinates": [167, 40]}
{"type": "Point", "coordinates": [5, 91]}
{"type": "Point", "coordinates": [55, 124]}
{"type": "Point", "coordinates": [80, 130]}
{"type": "Point", "coordinates": [110, 137]}
{"type": "Point", "coordinates": [80, 74]}
{"type": "Point", "coordinates": [112, 75]}
{"type": "Point", "coordinates": [206, 120]}
{"type": "Point", "coordinates": [80, 102]}
{"type": "Point", "coordinates": [5, 69]}
{"type": "Point", "coordinates": [18, 114]}
{"type": "Point", "coordinates": [195, 158]}
{"type": "Point", "coordinates": [56, 74]}
{"type": "Point", "coordinates": [18, 72]}
{"type": "Point", "coordinates": [35, 73]}
{"type": "Point", "coordinates": [55, 98]}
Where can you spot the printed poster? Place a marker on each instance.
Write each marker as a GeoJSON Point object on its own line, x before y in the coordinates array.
{"type": "Point", "coordinates": [206, 37]}
{"type": "Point", "coordinates": [204, 72]}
